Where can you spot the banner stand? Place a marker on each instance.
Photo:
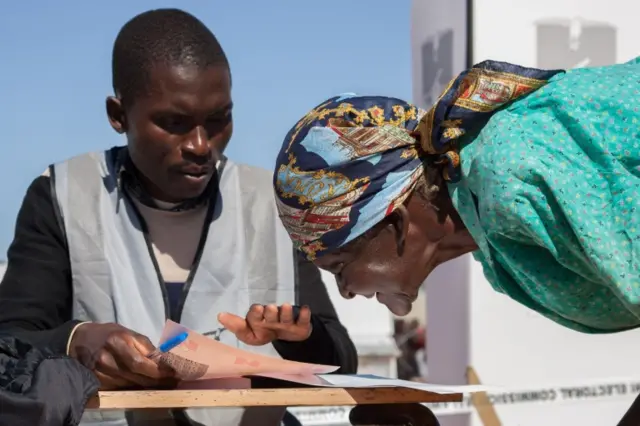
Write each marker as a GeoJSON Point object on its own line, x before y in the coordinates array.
{"type": "Point", "coordinates": [481, 402]}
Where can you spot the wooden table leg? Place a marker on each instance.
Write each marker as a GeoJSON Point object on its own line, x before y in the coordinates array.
{"type": "Point", "coordinates": [392, 415]}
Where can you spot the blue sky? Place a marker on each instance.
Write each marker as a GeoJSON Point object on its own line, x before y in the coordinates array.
{"type": "Point", "coordinates": [286, 56]}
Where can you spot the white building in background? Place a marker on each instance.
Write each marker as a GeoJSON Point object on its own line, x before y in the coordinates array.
{"type": "Point", "coordinates": [552, 376]}
{"type": "Point", "coordinates": [3, 267]}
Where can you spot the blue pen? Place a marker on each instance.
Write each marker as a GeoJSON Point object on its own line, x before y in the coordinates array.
{"type": "Point", "coordinates": [169, 344]}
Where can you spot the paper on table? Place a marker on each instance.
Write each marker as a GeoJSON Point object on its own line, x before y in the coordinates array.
{"type": "Point", "coordinates": [371, 381]}
{"type": "Point", "coordinates": [201, 358]}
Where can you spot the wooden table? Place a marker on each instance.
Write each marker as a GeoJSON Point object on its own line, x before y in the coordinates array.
{"type": "Point", "coordinates": [291, 397]}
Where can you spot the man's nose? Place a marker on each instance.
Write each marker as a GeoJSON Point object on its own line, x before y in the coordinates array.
{"type": "Point", "coordinates": [197, 143]}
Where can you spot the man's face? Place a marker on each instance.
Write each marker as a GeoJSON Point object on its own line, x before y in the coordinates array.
{"type": "Point", "coordinates": [176, 131]}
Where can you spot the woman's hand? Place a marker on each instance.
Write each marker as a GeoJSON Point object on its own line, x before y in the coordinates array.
{"type": "Point", "coordinates": [266, 323]}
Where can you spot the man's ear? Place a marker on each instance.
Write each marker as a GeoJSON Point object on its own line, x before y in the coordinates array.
{"type": "Point", "coordinates": [116, 114]}
{"type": "Point", "coordinates": [400, 222]}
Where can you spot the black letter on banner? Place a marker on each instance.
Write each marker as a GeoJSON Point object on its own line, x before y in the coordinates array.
{"type": "Point", "coordinates": [437, 66]}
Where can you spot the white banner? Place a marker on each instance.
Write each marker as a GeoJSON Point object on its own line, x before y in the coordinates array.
{"type": "Point", "coordinates": [573, 395]}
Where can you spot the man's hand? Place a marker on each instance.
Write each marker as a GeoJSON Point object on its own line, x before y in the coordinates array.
{"type": "Point", "coordinates": [264, 324]}
{"type": "Point", "coordinates": [118, 357]}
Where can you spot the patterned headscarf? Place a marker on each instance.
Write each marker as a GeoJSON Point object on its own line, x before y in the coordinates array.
{"type": "Point", "coordinates": [353, 160]}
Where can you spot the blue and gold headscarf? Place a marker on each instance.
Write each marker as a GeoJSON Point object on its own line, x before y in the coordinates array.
{"type": "Point", "coordinates": [352, 160]}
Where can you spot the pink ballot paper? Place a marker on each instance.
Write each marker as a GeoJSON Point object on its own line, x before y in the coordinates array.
{"type": "Point", "coordinates": [202, 358]}
{"type": "Point", "coordinates": [204, 363]}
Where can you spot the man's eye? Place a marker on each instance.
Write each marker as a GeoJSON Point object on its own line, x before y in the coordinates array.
{"type": "Point", "coordinates": [173, 124]}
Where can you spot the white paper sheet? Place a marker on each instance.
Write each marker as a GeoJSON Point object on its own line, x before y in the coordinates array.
{"type": "Point", "coordinates": [371, 381]}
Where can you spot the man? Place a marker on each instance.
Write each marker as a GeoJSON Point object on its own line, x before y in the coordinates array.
{"type": "Point", "coordinates": [109, 245]}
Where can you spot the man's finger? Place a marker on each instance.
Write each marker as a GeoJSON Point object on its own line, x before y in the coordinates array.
{"type": "Point", "coordinates": [104, 361]}
{"type": "Point", "coordinates": [141, 343]}
{"type": "Point", "coordinates": [271, 315]}
{"type": "Point", "coordinates": [109, 382]}
{"type": "Point", "coordinates": [233, 323]}
{"type": "Point", "coordinates": [133, 378]}
{"type": "Point", "coordinates": [286, 314]}
{"type": "Point", "coordinates": [131, 359]}
{"type": "Point", "coordinates": [305, 316]}
{"type": "Point", "coordinates": [109, 364]}
{"type": "Point", "coordinates": [255, 315]}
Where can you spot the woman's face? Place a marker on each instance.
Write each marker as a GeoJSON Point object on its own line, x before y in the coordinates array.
{"type": "Point", "coordinates": [390, 262]}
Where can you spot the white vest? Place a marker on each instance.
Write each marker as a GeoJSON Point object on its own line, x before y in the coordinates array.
{"type": "Point", "coordinates": [247, 258]}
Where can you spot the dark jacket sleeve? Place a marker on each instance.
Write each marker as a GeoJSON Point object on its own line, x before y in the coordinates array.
{"type": "Point", "coordinates": [39, 388]}
{"type": "Point", "coordinates": [329, 342]}
{"type": "Point", "coordinates": [35, 292]}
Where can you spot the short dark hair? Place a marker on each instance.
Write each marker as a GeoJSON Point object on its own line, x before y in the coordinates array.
{"type": "Point", "coordinates": [160, 37]}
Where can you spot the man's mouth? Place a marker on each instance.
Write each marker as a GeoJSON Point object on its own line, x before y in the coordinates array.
{"type": "Point", "coordinates": [195, 173]}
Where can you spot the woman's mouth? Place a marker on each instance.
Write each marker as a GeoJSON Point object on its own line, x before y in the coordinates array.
{"type": "Point", "coordinates": [398, 304]}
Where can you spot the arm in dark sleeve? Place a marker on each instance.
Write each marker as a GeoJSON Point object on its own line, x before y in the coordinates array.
{"type": "Point", "coordinates": [35, 292]}
{"type": "Point", "coordinates": [329, 342]}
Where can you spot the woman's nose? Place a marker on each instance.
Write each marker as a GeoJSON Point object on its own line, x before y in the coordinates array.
{"type": "Point", "coordinates": [346, 294]}
{"type": "Point", "coordinates": [342, 288]}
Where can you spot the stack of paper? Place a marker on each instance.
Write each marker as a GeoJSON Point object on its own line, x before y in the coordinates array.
{"type": "Point", "coordinates": [202, 359]}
